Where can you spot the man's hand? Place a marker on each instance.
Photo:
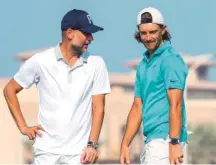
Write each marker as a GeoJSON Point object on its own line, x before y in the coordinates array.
{"type": "Point", "coordinates": [124, 155]}
{"type": "Point", "coordinates": [134, 120]}
{"type": "Point", "coordinates": [89, 156]}
{"type": "Point", "coordinates": [175, 154]}
{"type": "Point", "coordinates": [31, 132]}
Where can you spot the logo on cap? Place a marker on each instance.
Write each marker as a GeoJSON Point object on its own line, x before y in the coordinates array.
{"type": "Point", "coordinates": [89, 19]}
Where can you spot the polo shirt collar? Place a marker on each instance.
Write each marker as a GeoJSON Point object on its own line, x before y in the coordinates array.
{"type": "Point", "coordinates": [159, 50]}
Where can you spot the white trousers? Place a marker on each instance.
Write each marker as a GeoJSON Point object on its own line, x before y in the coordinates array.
{"type": "Point", "coordinates": [43, 158]}
{"type": "Point", "coordinates": [156, 152]}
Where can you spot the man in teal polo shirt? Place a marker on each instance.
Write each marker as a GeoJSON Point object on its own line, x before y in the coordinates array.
{"type": "Point", "coordinates": [159, 89]}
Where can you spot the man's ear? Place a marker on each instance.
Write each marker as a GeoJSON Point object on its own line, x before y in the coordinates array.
{"type": "Point", "coordinates": [70, 33]}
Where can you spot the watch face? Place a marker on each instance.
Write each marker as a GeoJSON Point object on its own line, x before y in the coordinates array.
{"type": "Point", "coordinates": [96, 145]}
{"type": "Point", "coordinates": [174, 141]}
{"type": "Point", "coordinates": [93, 144]}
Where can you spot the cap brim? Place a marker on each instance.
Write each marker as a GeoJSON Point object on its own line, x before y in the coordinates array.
{"type": "Point", "coordinates": [92, 29]}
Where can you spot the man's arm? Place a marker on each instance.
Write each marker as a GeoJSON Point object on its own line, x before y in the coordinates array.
{"type": "Point", "coordinates": [90, 154]}
{"type": "Point", "coordinates": [175, 115]}
{"type": "Point", "coordinates": [175, 74]}
{"type": "Point", "coordinates": [135, 115]}
{"type": "Point", "coordinates": [133, 123]}
{"type": "Point", "coordinates": [24, 78]}
{"type": "Point", "coordinates": [101, 87]}
{"type": "Point", "coordinates": [10, 93]}
{"type": "Point", "coordinates": [98, 102]}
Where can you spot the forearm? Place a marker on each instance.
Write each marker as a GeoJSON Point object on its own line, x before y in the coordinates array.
{"type": "Point", "coordinates": [133, 123]}
{"type": "Point", "coordinates": [175, 120]}
{"type": "Point", "coordinates": [14, 107]}
{"type": "Point", "coordinates": [97, 122]}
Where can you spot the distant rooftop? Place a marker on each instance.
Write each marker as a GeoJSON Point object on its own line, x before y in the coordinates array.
{"type": "Point", "coordinates": [198, 66]}
{"type": "Point", "coordinates": [23, 56]}
{"type": "Point", "coordinates": [189, 59]}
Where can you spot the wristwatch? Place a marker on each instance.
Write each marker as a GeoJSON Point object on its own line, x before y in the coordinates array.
{"type": "Point", "coordinates": [174, 141]}
{"type": "Point", "coordinates": [92, 144]}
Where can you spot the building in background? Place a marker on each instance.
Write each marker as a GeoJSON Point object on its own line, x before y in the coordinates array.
{"type": "Point", "coordinates": [201, 97]}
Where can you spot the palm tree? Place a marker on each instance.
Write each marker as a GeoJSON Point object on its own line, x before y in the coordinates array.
{"type": "Point", "coordinates": [202, 144]}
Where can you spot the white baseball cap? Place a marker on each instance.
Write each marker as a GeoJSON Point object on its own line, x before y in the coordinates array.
{"type": "Point", "coordinates": [155, 16]}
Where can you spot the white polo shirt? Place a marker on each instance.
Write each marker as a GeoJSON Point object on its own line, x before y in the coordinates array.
{"type": "Point", "coordinates": [65, 97]}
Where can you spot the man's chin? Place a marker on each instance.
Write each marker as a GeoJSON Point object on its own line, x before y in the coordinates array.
{"type": "Point", "coordinates": [150, 47]}
{"type": "Point", "coordinates": [84, 50]}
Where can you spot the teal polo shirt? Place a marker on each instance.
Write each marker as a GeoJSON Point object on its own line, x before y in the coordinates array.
{"type": "Point", "coordinates": [165, 69]}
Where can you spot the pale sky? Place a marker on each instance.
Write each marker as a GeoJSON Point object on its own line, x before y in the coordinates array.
{"type": "Point", "coordinates": [29, 25]}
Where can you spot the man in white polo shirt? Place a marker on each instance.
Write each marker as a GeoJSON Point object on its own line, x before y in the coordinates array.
{"type": "Point", "coordinates": [72, 85]}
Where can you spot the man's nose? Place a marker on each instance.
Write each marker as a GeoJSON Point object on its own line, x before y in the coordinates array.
{"type": "Point", "coordinates": [148, 37]}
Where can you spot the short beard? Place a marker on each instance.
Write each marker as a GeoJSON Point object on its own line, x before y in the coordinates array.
{"type": "Point", "coordinates": [159, 40]}
{"type": "Point", "coordinates": [77, 49]}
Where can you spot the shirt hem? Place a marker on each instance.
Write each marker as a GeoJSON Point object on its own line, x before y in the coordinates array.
{"type": "Point", "coordinates": [182, 139]}
{"type": "Point", "coordinates": [175, 87]}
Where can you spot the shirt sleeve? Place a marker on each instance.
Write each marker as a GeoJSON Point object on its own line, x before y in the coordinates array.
{"type": "Point", "coordinates": [101, 83]}
{"type": "Point", "coordinates": [27, 74]}
{"type": "Point", "coordinates": [137, 84]}
{"type": "Point", "coordinates": [175, 72]}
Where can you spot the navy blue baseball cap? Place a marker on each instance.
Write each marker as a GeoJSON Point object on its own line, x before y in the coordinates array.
{"type": "Point", "coordinates": [79, 20]}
